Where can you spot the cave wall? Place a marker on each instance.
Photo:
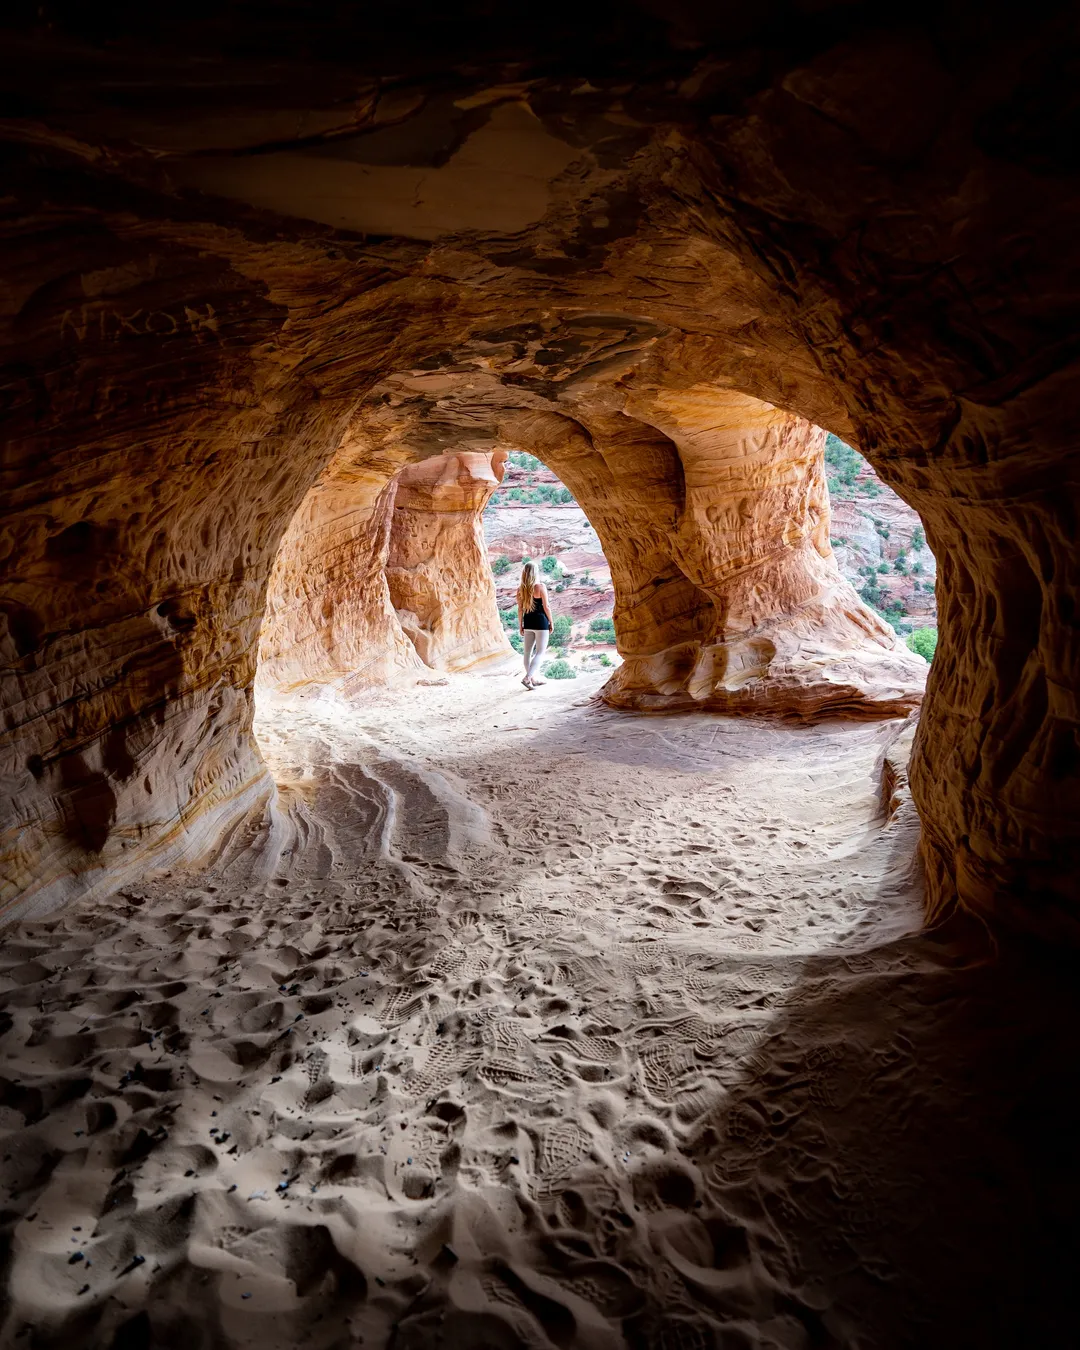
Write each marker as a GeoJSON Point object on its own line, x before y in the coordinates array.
{"type": "Point", "coordinates": [437, 567]}
{"type": "Point", "coordinates": [774, 628]}
{"type": "Point", "coordinates": [141, 514]}
{"type": "Point", "coordinates": [381, 579]}
{"type": "Point", "coordinates": [872, 228]}
{"type": "Point", "coordinates": [329, 612]}
{"type": "Point", "coordinates": [714, 517]}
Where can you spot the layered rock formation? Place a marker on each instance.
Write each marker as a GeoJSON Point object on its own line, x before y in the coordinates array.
{"type": "Point", "coordinates": [216, 287]}
{"type": "Point", "coordinates": [329, 614]}
{"type": "Point", "coordinates": [440, 582]}
{"type": "Point", "coordinates": [712, 510]}
{"type": "Point", "coordinates": [378, 578]}
{"type": "Point", "coordinates": [727, 594]}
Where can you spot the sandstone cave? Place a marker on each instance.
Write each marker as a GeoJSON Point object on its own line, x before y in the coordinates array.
{"type": "Point", "coordinates": [718, 998]}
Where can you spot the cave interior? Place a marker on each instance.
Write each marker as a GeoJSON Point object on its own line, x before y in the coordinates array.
{"type": "Point", "coordinates": [281, 289]}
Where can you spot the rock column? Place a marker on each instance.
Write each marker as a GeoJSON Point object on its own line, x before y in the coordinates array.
{"type": "Point", "coordinates": [440, 583]}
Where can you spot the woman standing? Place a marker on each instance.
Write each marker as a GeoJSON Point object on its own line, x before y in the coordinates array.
{"type": "Point", "coordinates": [534, 622]}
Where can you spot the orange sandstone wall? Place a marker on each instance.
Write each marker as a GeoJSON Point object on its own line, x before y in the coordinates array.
{"type": "Point", "coordinates": [329, 613]}
{"type": "Point", "coordinates": [437, 570]}
{"type": "Point", "coordinates": [380, 579]}
{"type": "Point", "coordinates": [779, 630]}
{"type": "Point", "coordinates": [204, 299]}
{"type": "Point", "coordinates": [714, 516]}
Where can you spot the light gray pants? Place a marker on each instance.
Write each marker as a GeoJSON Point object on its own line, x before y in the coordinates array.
{"type": "Point", "coordinates": [535, 641]}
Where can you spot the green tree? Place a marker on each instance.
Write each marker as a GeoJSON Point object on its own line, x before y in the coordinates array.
{"type": "Point", "coordinates": [924, 642]}
{"type": "Point", "coordinates": [561, 630]}
{"type": "Point", "coordinates": [918, 539]}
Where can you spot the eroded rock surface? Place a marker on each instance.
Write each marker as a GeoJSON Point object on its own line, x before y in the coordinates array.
{"type": "Point", "coordinates": [329, 613]}
{"type": "Point", "coordinates": [380, 578]}
{"type": "Point", "coordinates": [762, 621]}
{"type": "Point", "coordinates": [440, 582]}
{"type": "Point", "coordinates": [214, 286]}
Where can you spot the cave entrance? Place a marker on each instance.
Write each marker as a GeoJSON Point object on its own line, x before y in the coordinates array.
{"type": "Point", "coordinates": [710, 552]}
{"type": "Point", "coordinates": [533, 516]}
{"type": "Point", "coordinates": [880, 546]}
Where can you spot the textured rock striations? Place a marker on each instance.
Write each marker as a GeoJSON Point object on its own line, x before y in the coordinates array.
{"type": "Point", "coordinates": [379, 579]}
{"type": "Point", "coordinates": [438, 574]}
{"type": "Point", "coordinates": [329, 615]}
{"type": "Point", "coordinates": [654, 261]}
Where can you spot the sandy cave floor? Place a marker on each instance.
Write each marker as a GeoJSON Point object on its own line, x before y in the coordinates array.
{"type": "Point", "coordinates": [532, 1024]}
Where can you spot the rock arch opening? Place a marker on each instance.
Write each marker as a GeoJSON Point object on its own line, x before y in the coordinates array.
{"type": "Point", "coordinates": [711, 509]}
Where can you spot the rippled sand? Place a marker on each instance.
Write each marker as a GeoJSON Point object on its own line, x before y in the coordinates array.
{"type": "Point", "coordinates": [523, 1023]}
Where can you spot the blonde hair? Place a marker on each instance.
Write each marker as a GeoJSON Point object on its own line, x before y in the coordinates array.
{"type": "Point", "coordinates": [525, 590]}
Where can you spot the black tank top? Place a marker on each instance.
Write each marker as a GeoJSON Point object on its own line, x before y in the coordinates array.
{"type": "Point", "coordinates": [535, 617]}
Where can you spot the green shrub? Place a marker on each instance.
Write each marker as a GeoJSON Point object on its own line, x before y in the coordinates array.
{"type": "Point", "coordinates": [551, 493]}
{"type": "Point", "coordinates": [924, 643]}
{"type": "Point", "coordinates": [871, 595]}
{"type": "Point", "coordinates": [560, 670]}
{"type": "Point", "coordinates": [842, 466]}
{"type": "Point", "coordinates": [606, 660]}
{"type": "Point", "coordinates": [509, 617]}
{"type": "Point", "coordinates": [900, 564]}
{"type": "Point", "coordinates": [501, 564]}
{"type": "Point", "coordinates": [601, 630]}
{"type": "Point", "coordinates": [560, 633]}
{"type": "Point", "coordinates": [918, 538]}
{"type": "Point", "coordinates": [917, 568]}
{"type": "Point", "coordinates": [883, 567]}
{"type": "Point", "coordinates": [560, 586]}
{"type": "Point", "coordinates": [551, 565]}
{"type": "Point", "coordinates": [516, 641]}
